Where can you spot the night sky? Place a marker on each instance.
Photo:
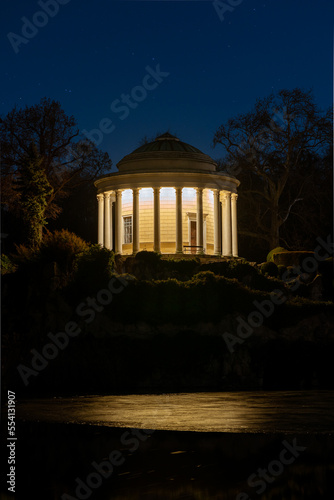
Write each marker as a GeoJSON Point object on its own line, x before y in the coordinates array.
{"type": "Point", "coordinates": [91, 52]}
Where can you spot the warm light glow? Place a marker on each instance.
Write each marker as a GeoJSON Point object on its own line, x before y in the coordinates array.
{"type": "Point", "coordinates": [167, 194]}
{"type": "Point", "coordinates": [189, 194]}
{"type": "Point", "coordinates": [127, 196]}
{"type": "Point", "coordinates": [146, 194]}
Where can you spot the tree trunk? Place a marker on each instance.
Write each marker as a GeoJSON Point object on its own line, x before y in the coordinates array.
{"type": "Point", "coordinates": [274, 227]}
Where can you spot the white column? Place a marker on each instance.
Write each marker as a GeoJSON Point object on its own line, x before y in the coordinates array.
{"type": "Point", "coordinates": [118, 221]}
{"type": "Point", "coordinates": [135, 220]}
{"type": "Point", "coordinates": [110, 225]}
{"type": "Point", "coordinates": [156, 203]}
{"type": "Point", "coordinates": [199, 220]}
{"type": "Point", "coordinates": [216, 245]}
{"type": "Point", "coordinates": [234, 225]}
{"type": "Point", "coordinates": [107, 220]}
{"type": "Point", "coordinates": [222, 199]}
{"type": "Point", "coordinates": [100, 199]}
{"type": "Point", "coordinates": [178, 192]}
{"type": "Point", "coordinates": [227, 236]}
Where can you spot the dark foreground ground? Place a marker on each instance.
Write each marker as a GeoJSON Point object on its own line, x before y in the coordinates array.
{"type": "Point", "coordinates": [53, 459]}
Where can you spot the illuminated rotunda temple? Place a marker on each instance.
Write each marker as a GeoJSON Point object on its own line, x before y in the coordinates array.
{"type": "Point", "coordinates": [168, 196]}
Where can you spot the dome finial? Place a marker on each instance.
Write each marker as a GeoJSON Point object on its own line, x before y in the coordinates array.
{"type": "Point", "coordinates": [167, 136]}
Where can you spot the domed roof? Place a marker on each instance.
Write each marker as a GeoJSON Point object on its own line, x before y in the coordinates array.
{"type": "Point", "coordinates": [167, 142]}
{"type": "Point", "coordinates": [166, 152]}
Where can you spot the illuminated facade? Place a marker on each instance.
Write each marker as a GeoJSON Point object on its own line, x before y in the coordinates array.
{"type": "Point", "coordinates": [168, 196]}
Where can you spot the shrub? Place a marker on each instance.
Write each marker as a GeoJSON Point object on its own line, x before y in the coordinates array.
{"type": "Point", "coordinates": [61, 247]}
{"type": "Point", "coordinates": [221, 268]}
{"type": "Point", "coordinates": [182, 269]}
{"type": "Point", "coordinates": [204, 275]}
{"type": "Point", "coordinates": [270, 256]}
{"type": "Point", "coordinates": [281, 270]}
{"type": "Point", "coordinates": [148, 258]}
{"type": "Point", "coordinates": [291, 272]}
{"type": "Point", "coordinates": [23, 254]}
{"type": "Point", "coordinates": [245, 273]}
{"type": "Point", "coordinates": [294, 258]}
{"type": "Point", "coordinates": [144, 265]}
{"type": "Point", "coordinates": [241, 270]}
{"type": "Point", "coordinates": [127, 277]}
{"type": "Point", "coordinates": [93, 268]}
{"type": "Point", "coordinates": [269, 268]}
{"type": "Point", "coordinates": [7, 266]}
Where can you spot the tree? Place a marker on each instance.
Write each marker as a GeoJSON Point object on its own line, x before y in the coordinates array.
{"type": "Point", "coordinates": [66, 163]}
{"type": "Point", "coordinates": [276, 151]}
{"type": "Point", "coordinates": [34, 189]}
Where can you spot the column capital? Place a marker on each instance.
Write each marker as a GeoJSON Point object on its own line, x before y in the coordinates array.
{"type": "Point", "coordinates": [107, 196]}
{"type": "Point", "coordinates": [234, 196]}
{"type": "Point", "coordinates": [100, 197]}
{"type": "Point", "coordinates": [226, 194]}
{"type": "Point", "coordinates": [135, 190]}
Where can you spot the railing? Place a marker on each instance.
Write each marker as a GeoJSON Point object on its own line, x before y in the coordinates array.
{"type": "Point", "coordinates": [193, 249]}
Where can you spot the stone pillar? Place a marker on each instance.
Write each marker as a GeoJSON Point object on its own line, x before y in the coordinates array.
{"type": "Point", "coordinates": [135, 221]}
{"type": "Point", "coordinates": [178, 192]}
{"type": "Point", "coordinates": [156, 203]}
{"type": "Point", "coordinates": [234, 225]}
{"type": "Point", "coordinates": [227, 235]}
{"type": "Point", "coordinates": [222, 199]}
{"type": "Point", "coordinates": [107, 220]}
{"type": "Point", "coordinates": [118, 221]}
{"type": "Point", "coordinates": [199, 221]}
{"type": "Point", "coordinates": [216, 245]}
{"type": "Point", "coordinates": [100, 199]}
{"type": "Point", "coordinates": [110, 225]}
